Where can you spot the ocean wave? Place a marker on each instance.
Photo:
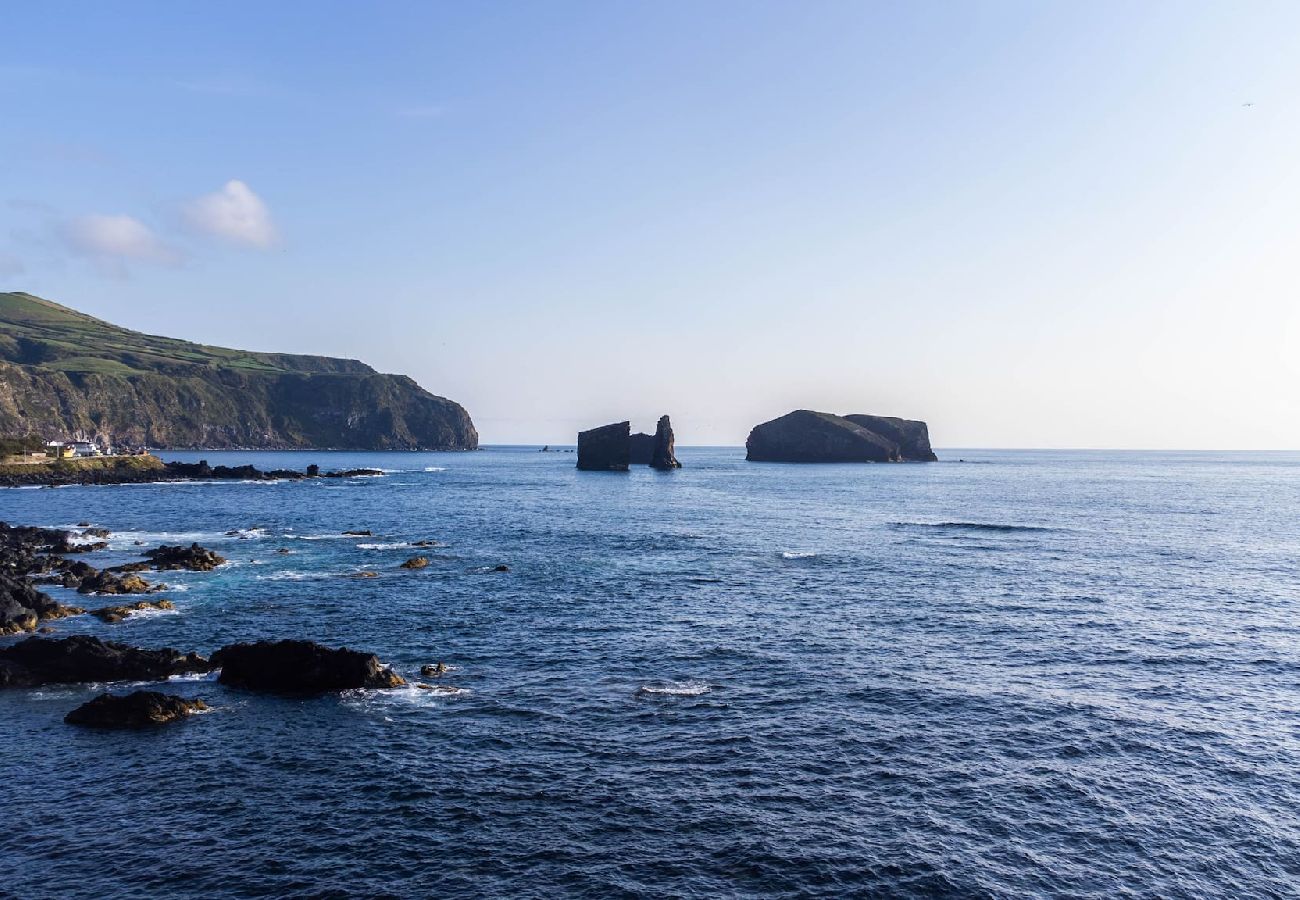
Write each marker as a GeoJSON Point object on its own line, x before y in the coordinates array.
{"type": "Point", "coordinates": [395, 545]}
{"type": "Point", "coordinates": [676, 689]}
{"type": "Point", "coordinates": [435, 468]}
{"type": "Point", "coordinates": [972, 526]}
{"type": "Point", "coordinates": [294, 576]}
{"type": "Point", "coordinates": [799, 554]}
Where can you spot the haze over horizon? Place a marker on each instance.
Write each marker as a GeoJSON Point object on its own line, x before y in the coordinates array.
{"type": "Point", "coordinates": [1031, 225]}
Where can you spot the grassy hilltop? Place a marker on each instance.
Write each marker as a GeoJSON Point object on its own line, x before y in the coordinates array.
{"type": "Point", "coordinates": [62, 371]}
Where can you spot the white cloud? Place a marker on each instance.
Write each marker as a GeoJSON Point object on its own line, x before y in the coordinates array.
{"type": "Point", "coordinates": [116, 238]}
{"type": "Point", "coordinates": [235, 214]}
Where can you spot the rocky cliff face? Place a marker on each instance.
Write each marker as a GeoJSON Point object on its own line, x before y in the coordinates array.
{"type": "Point", "coordinates": [63, 373]}
{"type": "Point", "coordinates": [605, 449]}
{"type": "Point", "coordinates": [808, 436]}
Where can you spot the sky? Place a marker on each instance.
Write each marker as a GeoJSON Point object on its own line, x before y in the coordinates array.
{"type": "Point", "coordinates": [1031, 224]}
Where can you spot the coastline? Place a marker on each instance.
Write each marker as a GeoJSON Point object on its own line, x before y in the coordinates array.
{"type": "Point", "coordinates": [147, 469]}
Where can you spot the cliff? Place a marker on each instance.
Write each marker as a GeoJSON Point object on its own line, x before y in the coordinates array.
{"type": "Point", "coordinates": [63, 372]}
{"type": "Point", "coordinates": [808, 436]}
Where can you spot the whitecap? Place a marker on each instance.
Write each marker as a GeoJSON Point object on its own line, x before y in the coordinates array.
{"type": "Point", "coordinates": [435, 468]}
{"type": "Point", "coordinates": [294, 576]}
{"type": "Point", "coordinates": [677, 688]}
{"type": "Point", "coordinates": [798, 554]}
{"type": "Point", "coordinates": [396, 545]}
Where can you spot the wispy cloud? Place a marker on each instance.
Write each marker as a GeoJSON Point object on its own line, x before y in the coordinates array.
{"type": "Point", "coordinates": [112, 241]}
{"type": "Point", "coordinates": [234, 214]}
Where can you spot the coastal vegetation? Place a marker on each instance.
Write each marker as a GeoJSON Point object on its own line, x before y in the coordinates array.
{"type": "Point", "coordinates": [63, 372]}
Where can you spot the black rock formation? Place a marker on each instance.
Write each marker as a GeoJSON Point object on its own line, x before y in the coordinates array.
{"type": "Point", "coordinates": [663, 456]}
{"type": "Point", "coordinates": [611, 448]}
{"type": "Point", "coordinates": [641, 449]}
{"type": "Point", "coordinates": [605, 449]}
{"type": "Point", "coordinates": [71, 660]}
{"type": "Point", "coordinates": [193, 557]}
{"type": "Point", "coordinates": [138, 709]}
{"type": "Point", "coordinates": [808, 436]}
{"type": "Point", "coordinates": [301, 667]}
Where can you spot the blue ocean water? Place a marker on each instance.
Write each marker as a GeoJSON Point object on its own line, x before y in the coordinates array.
{"type": "Point", "coordinates": [1029, 673]}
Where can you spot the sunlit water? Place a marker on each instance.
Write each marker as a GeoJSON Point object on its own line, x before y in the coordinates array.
{"type": "Point", "coordinates": [1028, 673]}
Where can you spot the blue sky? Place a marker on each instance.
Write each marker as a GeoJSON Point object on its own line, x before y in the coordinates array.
{"type": "Point", "coordinates": [1032, 224]}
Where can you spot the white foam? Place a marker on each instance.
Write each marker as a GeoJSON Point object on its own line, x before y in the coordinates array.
{"type": "Point", "coordinates": [294, 576]}
{"type": "Point", "coordinates": [396, 545]}
{"type": "Point", "coordinates": [677, 688]}
{"type": "Point", "coordinates": [435, 468]}
{"type": "Point", "coordinates": [798, 554]}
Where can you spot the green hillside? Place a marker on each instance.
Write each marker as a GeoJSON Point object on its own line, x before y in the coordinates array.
{"type": "Point", "coordinates": [64, 373]}
{"type": "Point", "coordinates": [42, 333]}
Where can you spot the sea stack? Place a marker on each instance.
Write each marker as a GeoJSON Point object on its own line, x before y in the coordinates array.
{"type": "Point", "coordinates": [662, 456]}
{"type": "Point", "coordinates": [611, 448]}
{"type": "Point", "coordinates": [605, 449]}
{"type": "Point", "coordinates": [818, 437]}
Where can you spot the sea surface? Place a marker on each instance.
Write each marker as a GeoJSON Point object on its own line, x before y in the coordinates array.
{"type": "Point", "coordinates": [1025, 674]}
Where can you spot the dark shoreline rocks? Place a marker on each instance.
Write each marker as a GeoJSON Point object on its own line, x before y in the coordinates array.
{"type": "Point", "coordinates": [193, 558]}
{"type": "Point", "coordinates": [806, 436]}
{"type": "Point", "coordinates": [138, 709]}
{"type": "Point", "coordinates": [71, 660]}
{"type": "Point", "coordinates": [301, 667]}
{"type": "Point", "coordinates": [134, 470]}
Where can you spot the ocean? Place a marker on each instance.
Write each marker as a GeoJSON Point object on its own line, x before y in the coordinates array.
{"type": "Point", "coordinates": [1024, 674]}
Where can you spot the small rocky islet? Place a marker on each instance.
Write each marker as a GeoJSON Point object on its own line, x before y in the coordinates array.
{"type": "Point", "coordinates": [30, 554]}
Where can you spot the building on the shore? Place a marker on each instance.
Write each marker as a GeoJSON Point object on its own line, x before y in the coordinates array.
{"type": "Point", "coordinates": [76, 448]}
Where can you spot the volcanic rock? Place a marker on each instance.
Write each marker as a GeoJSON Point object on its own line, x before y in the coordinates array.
{"type": "Point", "coordinates": [808, 436]}
{"type": "Point", "coordinates": [663, 456]}
{"type": "Point", "coordinates": [69, 660]}
{"type": "Point", "coordinates": [301, 667]}
{"type": "Point", "coordinates": [112, 614]}
{"type": "Point", "coordinates": [193, 557]}
{"type": "Point", "coordinates": [138, 709]}
{"type": "Point", "coordinates": [605, 449]}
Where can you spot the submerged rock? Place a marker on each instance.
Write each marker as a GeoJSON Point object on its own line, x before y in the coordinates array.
{"type": "Point", "coordinates": [138, 709]}
{"type": "Point", "coordinates": [364, 533]}
{"type": "Point", "coordinates": [605, 449]}
{"type": "Point", "coordinates": [113, 614]}
{"type": "Point", "coordinates": [808, 436]}
{"type": "Point", "coordinates": [416, 562]}
{"type": "Point", "coordinates": [301, 667]}
{"type": "Point", "coordinates": [70, 660]}
{"type": "Point", "coordinates": [193, 558]}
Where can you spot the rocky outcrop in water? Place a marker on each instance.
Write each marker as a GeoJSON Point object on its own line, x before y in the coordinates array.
{"type": "Point", "coordinates": [138, 709]}
{"type": "Point", "coordinates": [78, 659]}
{"type": "Point", "coordinates": [817, 437]}
{"type": "Point", "coordinates": [194, 558]}
{"type": "Point", "coordinates": [301, 667]}
{"type": "Point", "coordinates": [605, 449]}
{"type": "Point", "coordinates": [24, 608]}
{"type": "Point", "coordinates": [663, 455]}
{"type": "Point", "coordinates": [113, 614]}
{"type": "Point", "coordinates": [611, 448]}
{"type": "Point", "coordinates": [110, 582]}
